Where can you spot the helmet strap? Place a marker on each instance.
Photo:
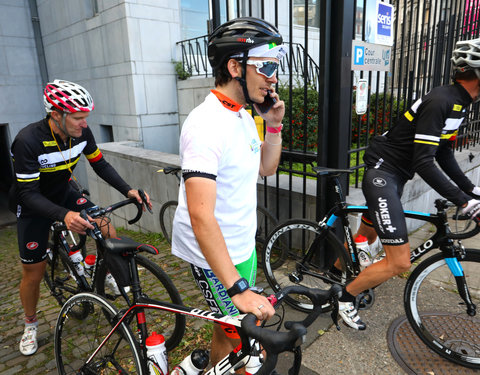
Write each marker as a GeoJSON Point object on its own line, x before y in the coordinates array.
{"type": "Point", "coordinates": [62, 128]}
{"type": "Point", "coordinates": [243, 79]}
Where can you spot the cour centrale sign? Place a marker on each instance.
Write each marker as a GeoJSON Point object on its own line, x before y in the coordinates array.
{"type": "Point", "coordinates": [370, 57]}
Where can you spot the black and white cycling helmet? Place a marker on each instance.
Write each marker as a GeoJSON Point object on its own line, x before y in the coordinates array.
{"type": "Point", "coordinates": [466, 56]}
{"type": "Point", "coordinates": [236, 37]}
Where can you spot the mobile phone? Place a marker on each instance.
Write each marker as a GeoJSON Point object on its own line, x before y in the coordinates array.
{"type": "Point", "coordinates": [267, 103]}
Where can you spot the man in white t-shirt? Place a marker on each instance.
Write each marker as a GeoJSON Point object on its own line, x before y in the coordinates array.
{"type": "Point", "coordinates": [222, 156]}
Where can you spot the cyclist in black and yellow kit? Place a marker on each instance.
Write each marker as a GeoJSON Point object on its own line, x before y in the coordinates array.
{"type": "Point", "coordinates": [44, 156]}
{"type": "Point", "coordinates": [422, 136]}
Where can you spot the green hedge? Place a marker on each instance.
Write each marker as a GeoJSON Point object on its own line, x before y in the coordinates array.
{"type": "Point", "coordinates": [378, 118]}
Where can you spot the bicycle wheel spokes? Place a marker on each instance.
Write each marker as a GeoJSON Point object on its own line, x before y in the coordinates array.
{"type": "Point", "coordinates": [75, 341]}
{"type": "Point", "coordinates": [285, 262]}
{"type": "Point", "coordinates": [437, 312]}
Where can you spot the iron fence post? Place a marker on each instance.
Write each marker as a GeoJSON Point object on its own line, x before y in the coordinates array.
{"type": "Point", "coordinates": [340, 90]}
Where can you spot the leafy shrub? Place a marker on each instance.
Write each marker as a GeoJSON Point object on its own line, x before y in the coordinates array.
{"type": "Point", "coordinates": [296, 131]}
{"type": "Point", "coordinates": [380, 115]}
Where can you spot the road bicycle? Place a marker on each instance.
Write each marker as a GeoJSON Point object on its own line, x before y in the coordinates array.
{"type": "Point", "coordinates": [103, 341]}
{"type": "Point", "coordinates": [64, 281]}
{"type": "Point", "coordinates": [266, 221]}
{"type": "Point", "coordinates": [441, 294]}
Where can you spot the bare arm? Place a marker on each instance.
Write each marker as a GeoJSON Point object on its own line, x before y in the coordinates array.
{"type": "Point", "coordinates": [201, 198]}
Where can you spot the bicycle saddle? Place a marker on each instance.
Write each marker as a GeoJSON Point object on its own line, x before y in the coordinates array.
{"type": "Point", "coordinates": [121, 245]}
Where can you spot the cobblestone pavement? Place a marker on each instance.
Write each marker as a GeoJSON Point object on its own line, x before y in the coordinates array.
{"type": "Point", "coordinates": [11, 313]}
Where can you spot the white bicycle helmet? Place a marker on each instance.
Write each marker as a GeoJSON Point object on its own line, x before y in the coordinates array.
{"type": "Point", "coordinates": [67, 97]}
{"type": "Point", "coordinates": [466, 56]}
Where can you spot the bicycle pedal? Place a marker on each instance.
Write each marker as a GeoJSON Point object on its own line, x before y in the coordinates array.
{"type": "Point", "coordinates": [365, 300]}
{"type": "Point", "coordinates": [295, 278]}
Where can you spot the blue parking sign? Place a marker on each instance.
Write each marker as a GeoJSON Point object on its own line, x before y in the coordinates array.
{"type": "Point", "coordinates": [359, 55]}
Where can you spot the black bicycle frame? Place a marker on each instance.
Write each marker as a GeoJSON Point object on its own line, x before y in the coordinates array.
{"type": "Point", "coordinates": [439, 239]}
{"type": "Point", "coordinates": [60, 244]}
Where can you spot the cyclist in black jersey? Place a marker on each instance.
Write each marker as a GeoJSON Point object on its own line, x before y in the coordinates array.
{"type": "Point", "coordinates": [44, 155]}
{"type": "Point", "coordinates": [423, 135]}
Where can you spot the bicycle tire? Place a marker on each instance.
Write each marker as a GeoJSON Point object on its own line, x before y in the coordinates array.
{"type": "Point", "coordinates": [75, 342]}
{"type": "Point", "coordinates": [167, 213]}
{"type": "Point", "coordinates": [266, 222]}
{"type": "Point", "coordinates": [157, 285]}
{"type": "Point", "coordinates": [64, 284]}
{"type": "Point", "coordinates": [286, 245]}
{"type": "Point", "coordinates": [436, 312]}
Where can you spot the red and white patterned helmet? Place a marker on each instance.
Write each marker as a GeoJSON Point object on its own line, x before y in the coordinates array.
{"type": "Point", "coordinates": [67, 97]}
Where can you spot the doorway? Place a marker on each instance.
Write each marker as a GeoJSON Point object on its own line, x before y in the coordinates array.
{"type": "Point", "coordinates": [6, 177]}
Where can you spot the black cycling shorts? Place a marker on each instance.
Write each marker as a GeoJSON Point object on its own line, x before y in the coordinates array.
{"type": "Point", "coordinates": [33, 230]}
{"type": "Point", "coordinates": [383, 191]}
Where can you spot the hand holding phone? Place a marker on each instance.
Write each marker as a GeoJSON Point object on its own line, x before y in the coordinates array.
{"type": "Point", "coordinates": [267, 103]}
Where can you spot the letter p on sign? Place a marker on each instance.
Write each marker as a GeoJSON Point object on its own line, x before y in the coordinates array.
{"type": "Point", "coordinates": [359, 55]}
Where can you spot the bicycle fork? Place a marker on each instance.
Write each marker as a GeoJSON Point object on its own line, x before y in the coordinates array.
{"type": "Point", "coordinates": [452, 254]}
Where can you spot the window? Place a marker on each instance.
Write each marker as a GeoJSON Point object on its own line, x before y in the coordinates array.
{"type": "Point", "coordinates": [106, 133]}
{"type": "Point", "coordinates": [91, 8]}
{"type": "Point", "coordinates": [312, 9]}
{"type": "Point", "coordinates": [194, 15]}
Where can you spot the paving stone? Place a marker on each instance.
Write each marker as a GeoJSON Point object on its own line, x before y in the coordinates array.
{"type": "Point", "coordinates": [13, 371]}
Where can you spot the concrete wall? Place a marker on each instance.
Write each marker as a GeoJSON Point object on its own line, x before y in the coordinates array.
{"type": "Point", "coordinates": [139, 166]}
{"type": "Point", "coordinates": [191, 93]}
{"type": "Point", "coordinates": [123, 55]}
{"type": "Point", "coordinates": [20, 82]}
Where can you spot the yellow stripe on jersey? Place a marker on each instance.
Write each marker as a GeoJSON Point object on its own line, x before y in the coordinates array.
{"type": "Point", "coordinates": [449, 135]}
{"type": "Point", "coordinates": [60, 167]}
{"type": "Point", "coordinates": [93, 155]}
{"type": "Point", "coordinates": [28, 179]}
{"type": "Point", "coordinates": [49, 143]}
{"type": "Point", "coordinates": [457, 107]}
{"type": "Point", "coordinates": [425, 142]}
{"type": "Point", "coordinates": [408, 116]}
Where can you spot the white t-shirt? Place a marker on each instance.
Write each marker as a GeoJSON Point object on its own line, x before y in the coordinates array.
{"type": "Point", "coordinates": [224, 143]}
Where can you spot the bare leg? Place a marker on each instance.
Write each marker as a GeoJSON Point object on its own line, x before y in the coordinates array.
{"type": "Point", "coordinates": [108, 230]}
{"type": "Point", "coordinates": [396, 261]}
{"type": "Point", "coordinates": [32, 276]}
{"type": "Point", "coordinates": [221, 346]}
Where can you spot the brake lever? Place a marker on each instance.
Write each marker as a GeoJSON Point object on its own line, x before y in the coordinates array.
{"type": "Point", "coordinates": [95, 233]}
{"type": "Point", "coordinates": [144, 200]}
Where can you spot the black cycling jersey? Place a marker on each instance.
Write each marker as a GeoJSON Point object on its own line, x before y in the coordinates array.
{"type": "Point", "coordinates": [424, 133]}
{"type": "Point", "coordinates": [42, 171]}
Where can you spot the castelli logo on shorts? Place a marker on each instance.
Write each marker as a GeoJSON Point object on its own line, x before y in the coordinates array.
{"type": "Point", "coordinates": [32, 245]}
{"type": "Point", "coordinates": [81, 201]}
{"type": "Point", "coordinates": [379, 182]}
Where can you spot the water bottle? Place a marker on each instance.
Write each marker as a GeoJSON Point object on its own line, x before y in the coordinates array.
{"type": "Point", "coordinates": [77, 259]}
{"type": "Point", "coordinates": [194, 364]}
{"type": "Point", "coordinates": [253, 364]}
{"type": "Point", "coordinates": [363, 251]}
{"type": "Point", "coordinates": [89, 264]}
{"type": "Point", "coordinates": [157, 352]}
